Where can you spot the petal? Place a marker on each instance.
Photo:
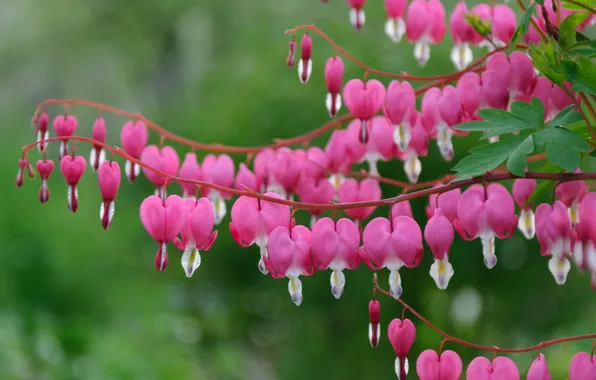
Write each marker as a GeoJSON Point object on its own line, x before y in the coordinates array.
{"type": "Point", "coordinates": [441, 271]}
{"type": "Point", "coordinates": [191, 260]}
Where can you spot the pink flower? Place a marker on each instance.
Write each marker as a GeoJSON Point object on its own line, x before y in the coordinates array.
{"type": "Point", "coordinates": [470, 91]}
{"type": "Point", "coordinates": [542, 90]}
{"type": "Point", "coordinates": [289, 256]}
{"type": "Point", "coordinates": [65, 126]}
{"type": "Point", "coordinates": [352, 191]}
{"type": "Point", "coordinates": [539, 369]}
{"type": "Point", "coordinates": [197, 233]}
{"type": "Point", "coordinates": [522, 73]}
{"type": "Point", "coordinates": [582, 367]}
{"type": "Point", "coordinates": [41, 129]}
{"type": "Point", "coordinates": [425, 24]}
{"type": "Point", "coordinates": [374, 327]}
{"type": "Point", "coordinates": [503, 24]}
{"type": "Point", "coordinates": [430, 366]}
{"type": "Point", "coordinates": [291, 54]}
{"type": "Point", "coordinates": [134, 138]}
{"type": "Point", "coordinates": [262, 167]}
{"type": "Point", "coordinates": [190, 169]}
{"type": "Point", "coordinates": [401, 209]}
{"type": "Point", "coordinates": [400, 103]}
{"type": "Point", "coordinates": [495, 91]}
{"type": "Point", "coordinates": [379, 145]}
{"type": "Point", "coordinates": [305, 63]}
{"type": "Point", "coordinates": [440, 111]}
{"type": "Point", "coordinates": [584, 249]}
{"type": "Point", "coordinates": [253, 220]}
{"type": "Point", "coordinates": [98, 133]}
{"type": "Point", "coordinates": [395, 27]}
{"type": "Point", "coordinates": [392, 244]}
{"type": "Point", "coordinates": [553, 229]}
{"type": "Point", "coordinates": [163, 220]}
{"type": "Point", "coordinates": [73, 168]}
{"type": "Point", "coordinates": [357, 16]}
{"type": "Point", "coordinates": [315, 163]}
{"type": "Point", "coordinates": [418, 146]}
{"type": "Point", "coordinates": [571, 194]}
{"type": "Point", "coordinates": [439, 236]}
{"type": "Point", "coordinates": [364, 100]}
{"type": "Point", "coordinates": [446, 201]}
{"type": "Point", "coordinates": [218, 170]}
{"type": "Point", "coordinates": [522, 190]}
{"type": "Point", "coordinates": [319, 191]}
{"type": "Point", "coordinates": [44, 168]}
{"type": "Point", "coordinates": [486, 214]}
{"type": "Point", "coordinates": [462, 33]}
{"type": "Point", "coordinates": [501, 368]}
{"type": "Point", "coordinates": [108, 177]}
{"type": "Point", "coordinates": [245, 179]}
{"type": "Point", "coordinates": [483, 11]}
{"type": "Point", "coordinates": [401, 336]}
{"type": "Point", "coordinates": [286, 170]}
{"type": "Point", "coordinates": [335, 246]}
{"type": "Point", "coordinates": [334, 74]}
{"type": "Point", "coordinates": [164, 160]}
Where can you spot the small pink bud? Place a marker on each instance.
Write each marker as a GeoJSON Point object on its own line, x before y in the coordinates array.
{"type": "Point", "coordinates": [21, 173]}
{"type": "Point", "coordinates": [539, 369]}
{"type": "Point", "coordinates": [401, 335]}
{"type": "Point", "coordinates": [334, 73]}
{"type": "Point", "coordinates": [45, 168]}
{"type": "Point", "coordinates": [108, 176]}
{"type": "Point", "coordinates": [292, 54]}
{"type": "Point", "coordinates": [65, 126]}
{"type": "Point", "coordinates": [98, 133]}
{"type": "Point", "coordinates": [73, 168]}
{"type": "Point", "coordinates": [41, 126]}
{"type": "Point", "coordinates": [582, 367]}
{"type": "Point", "coordinates": [190, 169]}
{"type": "Point", "coordinates": [395, 26]}
{"type": "Point", "coordinates": [134, 138]}
{"type": "Point", "coordinates": [374, 327]}
{"type": "Point", "coordinates": [305, 63]}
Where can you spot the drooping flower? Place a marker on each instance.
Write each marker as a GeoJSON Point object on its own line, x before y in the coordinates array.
{"type": "Point", "coordinates": [446, 201]}
{"type": "Point", "coordinates": [374, 327]}
{"type": "Point", "coordinates": [352, 191]}
{"type": "Point", "coordinates": [108, 177]}
{"type": "Point", "coordinates": [503, 24]}
{"type": "Point", "coordinates": [401, 336]}
{"type": "Point", "coordinates": [334, 74]}
{"type": "Point", "coordinates": [582, 367]}
{"type": "Point", "coordinates": [163, 219]}
{"type": "Point", "coordinates": [98, 133]}
{"type": "Point", "coordinates": [246, 179]}
{"type": "Point", "coordinates": [291, 54]}
{"type": "Point", "coordinates": [500, 368]}
{"type": "Point", "coordinates": [417, 147]}
{"type": "Point", "coordinates": [378, 147]}
{"type": "Point", "coordinates": [486, 214]}
{"type": "Point", "coordinates": [431, 366]}
{"type": "Point", "coordinates": [425, 25]}
{"type": "Point", "coordinates": [197, 233]}
{"type": "Point", "coordinates": [134, 138]}
{"type": "Point", "coordinates": [218, 170]}
{"type": "Point", "coordinates": [462, 33]}
{"type": "Point", "coordinates": [286, 170]}
{"type": "Point", "coordinates": [538, 369]}
{"type": "Point", "coordinates": [554, 232]}
{"type": "Point", "coordinates": [364, 100]}
{"type": "Point", "coordinates": [164, 160]}
{"type": "Point", "coordinates": [305, 63]}
{"type": "Point", "coordinates": [289, 256]}
{"type": "Point", "coordinates": [73, 168]}
{"type": "Point", "coordinates": [191, 170]}
{"type": "Point", "coordinates": [253, 220]}
{"type": "Point", "coordinates": [65, 126]}
{"type": "Point", "coordinates": [319, 191]}
{"type": "Point", "coordinates": [335, 246]}
{"type": "Point", "coordinates": [401, 209]}
{"type": "Point", "coordinates": [41, 129]}
{"type": "Point", "coordinates": [338, 159]}
{"type": "Point", "coordinates": [399, 107]}
{"type": "Point", "coordinates": [395, 27]}
{"type": "Point", "coordinates": [571, 194]}
{"type": "Point", "coordinates": [522, 190]}
{"type": "Point", "coordinates": [391, 245]}
{"type": "Point", "coordinates": [584, 247]}
{"type": "Point", "coordinates": [45, 169]}
{"type": "Point", "coordinates": [439, 236]}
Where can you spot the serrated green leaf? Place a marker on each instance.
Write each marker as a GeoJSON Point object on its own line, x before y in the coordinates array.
{"type": "Point", "coordinates": [523, 26]}
{"type": "Point", "coordinates": [582, 73]}
{"type": "Point", "coordinates": [546, 60]}
{"type": "Point", "coordinates": [517, 161]}
{"type": "Point", "coordinates": [589, 4]}
{"type": "Point", "coordinates": [503, 118]}
{"type": "Point", "coordinates": [567, 116]}
{"type": "Point", "coordinates": [567, 30]}
{"type": "Point", "coordinates": [532, 112]}
{"type": "Point", "coordinates": [562, 146]}
{"type": "Point", "coordinates": [486, 157]}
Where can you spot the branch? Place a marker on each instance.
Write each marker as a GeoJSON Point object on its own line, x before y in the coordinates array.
{"type": "Point", "coordinates": [216, 148]}
{"type": "Point", "coordinates": [453, 339]}
{"type": "Point", "coordinates": [489, 177]}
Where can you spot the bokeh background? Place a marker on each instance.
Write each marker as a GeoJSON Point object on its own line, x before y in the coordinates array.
{"type": "Point", "coordinates": [77, 302]}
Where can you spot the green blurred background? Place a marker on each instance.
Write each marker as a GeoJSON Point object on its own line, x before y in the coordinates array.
{"type": "Point", "coordinates": [77, 302]}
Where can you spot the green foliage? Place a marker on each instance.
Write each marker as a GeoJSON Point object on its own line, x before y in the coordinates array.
{"type": "Point", "coordinates": [567, 117]}
{"type": "Point", "coordinates": [546, 60]}
{"type": "Point", "coordinates": [483, 27]}
{"type": "Point", "coordinates": [523, 26]}
{"type": "Point", "coordinates": [582, 73]}
{"type": "Point", "coordinates": [590, 4]}
{"type": "Point", "coordinates": [562, 146]}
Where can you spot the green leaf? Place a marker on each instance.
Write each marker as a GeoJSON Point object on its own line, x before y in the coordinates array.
{"type": "Point", "coordinates": [582, 73]}
{"type": "Point", "coordinates": [567, 31]}
{"type": "Point", "coordinates": [486, 157]}
{"type": "Point", "coordinates": [590, 4]}
{"type": "Point", "coordinates": [532, 112]}
{"type": "Point", "coordinates": [546, 60]}
{"type": "Point", "coordinates": [562, 146]}
{"type": "Point", "coordinates": [567, 116]}
{"type": "Point", "coordinates": [503, 118]}
{"type": "Point", "coordinates": [523, 26]}
{"type": "Point", "coordinates": [517, 161]}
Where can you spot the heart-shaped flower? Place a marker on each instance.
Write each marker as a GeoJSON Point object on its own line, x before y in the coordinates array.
{"type": "Point", "coordinates": [430, 366]}
{"type": "Point", "coordinates": [582, 367]}
{"type": "Point", "coordinates": [165, 160]}
{"type": "Point", "coordinates": [501, 368]}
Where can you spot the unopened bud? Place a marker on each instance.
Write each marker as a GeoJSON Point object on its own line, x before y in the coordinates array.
{"type": "Point", "coordinates": [161, 258]}
{"type": "Point", "coordinates": [292, 54]}
{"type": "Point", "coordinates": [20, 173]}
{"type": "Point", "coordinates": [374, 327]}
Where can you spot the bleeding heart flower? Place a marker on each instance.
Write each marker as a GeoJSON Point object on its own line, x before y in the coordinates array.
{"type": "Point", "coordinates": [584, 251]}
{"type": "Point", "coordinates": [430, 366]}
{"type": "Point", "coordinates": [73, 168]}
{"type": "Point", "coordinates": [374, 327]}
{"type": "Point", "coordinates": [315, 191]}
{"type": "Point", "coordinates": [364, 100]}
{"type": "Point", "coordinates": [41, 129]}
{"type": "Point", "coordinates": [45, 169]}
{"type": "Point", "coordinates": [335, 246]}
{"type": "Point", "coordinates": [98, 133]}
{"type": "Point", "coordinates": [401, 336]}
{"type": "Point", "coordinates": [571, 194]}
{"type": "Point", "coordinates": [395, 27]}
{"type": "Point", "coordinates": [400, 104]}
{"type": "Point", "coordinates": [439, 236]}
{"type": "Point", "coordinates": [357, 16]}
{"type": "Point", "coordinates": [352, 191]}
{"type": "Point", "coordinates": [401, 209]}
{"type": "Point", "coordinates": [501, 368]}
{"type": "Point", "coordinates": [305, 63]}
{"type": "Point", "coordinates": [425, 24]}
{"type": "Point", "coordinates": [134, 138]}
{"type": "Point", "coordinates": [538, 369]}
{"type": "Point", "coordinates": [462, 33]}
{"type": "Point", "coordinates": [379, 145]}
{"type": "Point", "coordinates": [218, 170]}
{"type": "Point", "coordinates": [108, 177]}
{"type": "Point", "coordinates": [582, 367]}
{"type": "Point", "coordinates": [554, 232]}
{"type": "Point", "coordinates": [165, 160]}
{"type": "Point", "coordinates": [245, 179]}
{"type": "Point", "coordinates": [446, 201]}
{"type": "Point", "coordinates": [522, 190]}
{"type": "Point", "coordinates": [190, 169]}
{"type": "Point", "coordinates": [65, 126]}
{"type": "Point", "coordinates": [334, 74]}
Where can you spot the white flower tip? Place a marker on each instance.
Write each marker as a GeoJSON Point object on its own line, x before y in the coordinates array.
{"type": "Point", "coordinates": [422, 52]}
{"type": "Point", "coordinates": [395, 284]}
{"type": "Point", "coordinates": [357, 18]}
{"type": "Point", "coordinates": [219, 209]}
{"type": "Point", "coordinates": [304, 70]}
{"type": "Point", "coordinates": [413, 167]}
{"type": "Point", "coordinates": [295, 289]}
{"type": "Point", "coordinates": [441, 271]}
{"type": "Point", "coordinates": [488, 251]}
{"type": "Point", "coordinates": [333, 103]}
{"type": "Point", "coordinates": [338, 282]}
{"type": "Point", "coordinates": [559, 267]}
{"type": "Point", "coordinates": [106, 214]}
{"type": "Point", "coordinates": [191, 260]}
{"type": "Point", "coordinates": [402, 136]}
{"type": "Point", "coordinates": [374, 333]}
{"type": "Point", "coordinates": [526, 224]}
{"type": "Point", "coordinates": [461, 55]}
{"type": "Point", "coordinates": [445, 144]}
{"type": "Point", "coordinates": [395, 28]}
{"type": "Point", "coordinates": [262, 266]}
{"type": "Point", "coordinates": [574, 213]}
{"type": "Point", "coordinates": [398, 367]}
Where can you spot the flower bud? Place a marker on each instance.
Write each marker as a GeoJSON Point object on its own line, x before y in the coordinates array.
{"type": "Point", "coordinates": [374, 327]}
{"type": "Point", "coordinates": [291, 55]}
{"type": "Point", "coordinates": [41, 126]}
{"type": "Point", "coordinates": [305, 63]}
{"type": "Point", "coordinates": [98, 133]}
{"type": "Point", "coordinates": [45, 168]}
{"type": "Point", "coordinates": [73, 168]}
